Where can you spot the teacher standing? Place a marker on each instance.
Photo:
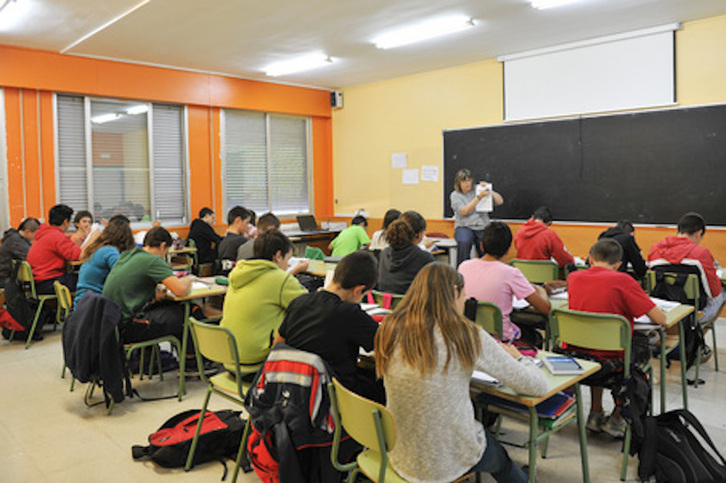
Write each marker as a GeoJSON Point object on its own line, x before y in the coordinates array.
{"type": "Point", "coordinates": [469, 224]}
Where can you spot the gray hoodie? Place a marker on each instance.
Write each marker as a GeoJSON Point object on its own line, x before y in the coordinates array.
{"type": "Point", "coordinates": [14, 247]}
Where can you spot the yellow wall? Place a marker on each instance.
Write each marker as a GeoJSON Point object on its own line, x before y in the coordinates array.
{"type": "Point", "coordinates": [408, 114]}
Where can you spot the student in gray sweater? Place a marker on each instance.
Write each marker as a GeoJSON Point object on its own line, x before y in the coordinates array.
{"type": "Point", "coordinates": [426, 352]}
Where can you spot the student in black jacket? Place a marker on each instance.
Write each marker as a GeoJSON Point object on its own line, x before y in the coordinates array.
{"type": "Point", "coordinates": [15, 246]}
{"type": "Point", "coordinates": [402, 260]}
{"type": "Point", "coordinates": [203, 234]}
{"type": "Point", "coordinates": [624, 234]}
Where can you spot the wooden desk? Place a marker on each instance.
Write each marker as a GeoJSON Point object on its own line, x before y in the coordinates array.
{"type": "Point", "coordinates": [319, 268]}
{"type": "Point", "coordinates": [209, 290]}
{"type": "Point", "coordinates": [555, 384]}
{"type": "Point", "coordinates": [318, 239]}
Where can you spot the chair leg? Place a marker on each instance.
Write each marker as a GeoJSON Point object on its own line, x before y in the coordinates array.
{"type": "Point", "coordinates": [157, 351]}
{"type": "Point", "coordinates": [242, 449]}
{"type": "Point", "coordinates": [195, 440]}
{"type": "Point", "coordinates": [35, 322]}
{"type": "Point", "coordinates": [626, 450]}
{"type": "Point", "coordinates": [715, 349]}
{"type": "Point", "coordinates": [582, 432]}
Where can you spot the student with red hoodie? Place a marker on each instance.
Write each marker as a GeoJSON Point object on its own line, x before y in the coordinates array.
{"type": "Point", "coordinates": [51, 250]}
{"type": "Point", "coordinates": [535, 241]}
{"type": "Point", "coordinates": [685, 249]}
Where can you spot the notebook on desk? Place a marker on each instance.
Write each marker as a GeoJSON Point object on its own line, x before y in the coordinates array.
{"type": "Point", "coordinates": [307, 223]}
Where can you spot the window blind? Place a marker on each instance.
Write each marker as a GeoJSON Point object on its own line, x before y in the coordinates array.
{"type": "Point", "coordinates": [169, 164]}
{"type": "Point", "coordinates": [288, 162]}
{"type": "Point", "coordinates": [71, 163]}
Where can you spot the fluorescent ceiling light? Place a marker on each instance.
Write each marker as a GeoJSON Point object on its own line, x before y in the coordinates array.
{"type": "Point", "coordinates": [306, 62]}
{"type": "Point", "coordinates": [13, 13]}
{"type": "Point", "coordinates": [106, 25]}
{"type": "Point", "coordinates": [543, 4]}
{"type": "Point", "coordinates": [423, 31]}
{"type": "Point", "coordinates": [104, 118]}
{"type": "Point", "coordinates": [138, 109]}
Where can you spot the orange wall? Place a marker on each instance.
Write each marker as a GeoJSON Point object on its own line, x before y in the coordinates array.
{"type": "Point", "coordinates": [30, 77]}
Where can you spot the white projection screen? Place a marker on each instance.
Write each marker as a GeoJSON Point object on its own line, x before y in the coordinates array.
{"type": "Point", "coordinates": [623, 72]}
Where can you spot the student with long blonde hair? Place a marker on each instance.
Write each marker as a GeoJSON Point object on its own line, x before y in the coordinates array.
{"type": "Point", "coordinates": [426, 351]}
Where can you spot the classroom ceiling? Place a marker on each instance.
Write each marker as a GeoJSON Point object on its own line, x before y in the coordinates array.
{"type": "Point", "coordinates": [241, 37]}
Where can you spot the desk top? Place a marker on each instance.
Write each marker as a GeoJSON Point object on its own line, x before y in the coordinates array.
{"type": "Point", "coordinates": [319, 268]}
{"type": "Point", "coordinates": [202, 287]}
{"type": "Point", "coordinates": [179, 251]}
{"type": "Point", "coordinates": [555, 384]}
{"type": "Point", "coordinates": [303, 234]}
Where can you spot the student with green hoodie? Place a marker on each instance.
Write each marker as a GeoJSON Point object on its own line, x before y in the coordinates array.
{"type": "Point", "coordinates": [260, 291]}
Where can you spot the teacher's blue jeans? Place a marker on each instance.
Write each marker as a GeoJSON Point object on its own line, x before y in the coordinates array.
{"type": "Point", "coordinates": [496, 461]}
{"type": "Point", "coordinates": [465, 239]}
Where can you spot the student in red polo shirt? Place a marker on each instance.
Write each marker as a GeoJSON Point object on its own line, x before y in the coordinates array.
{"type": "Point", "coordinates": [535, 241]}
{"type": "Point", "coordinates": [51, 250]}
{"type": "Point", "coordinates": [603, 289]}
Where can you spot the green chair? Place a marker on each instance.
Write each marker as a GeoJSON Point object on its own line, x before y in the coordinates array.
{"type": "Point", "coordinates": [382, 297]}
{"type": "Point", "coordinates": [537, 271]}
{"type": "Point", "coordinates": [25, 276]}
{"type": "Point", "coordinates": [489, 318]}
{"type": "Point", "coordinates": [63, 308]}
{"type": "Point", "coordinates": [218, 344]}
{"type": "Point", "coordinates": [314, 253]}
{"type": "Point", "coordinates": [600, 332]}
{"type": "Point", "coordinates": [195, 259]}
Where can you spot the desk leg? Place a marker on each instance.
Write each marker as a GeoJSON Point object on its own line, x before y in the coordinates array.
{"type": "Point", "coordinates": [183, 355]}
{"type": "Point", "coordinates": [533, 430]}
{"type": "Point", "coordinates": [662, 334]}
{"type": "Point", "coordinates": [682, 349]}
{"type": "Point", "coordinates": [583, 435]}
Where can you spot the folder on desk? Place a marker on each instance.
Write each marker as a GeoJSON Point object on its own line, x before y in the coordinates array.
{"type": "Point", "coordinates": [551, 408]}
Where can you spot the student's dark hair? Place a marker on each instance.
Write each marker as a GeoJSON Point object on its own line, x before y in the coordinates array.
{"type": "Point", "coordinates": [461, 175]}
{"type": "Point", "coordinates": [156, 236]}
{"type": "Point", "coordinates": [625, 226]}
{"type": "Point", "coordinates": [58, 214]}
{"type": "Point", "coordinates": [400, 235]}
{"type": "Point", "coordinates": [271, 242]}
{"type": "Point", "coordinates": [205, 211]}
{"type": "Point", "coordinates": [543, 213]}
{"type": "Point", "coordinates": [237, 212]}
{"type": "Point", "coordinates": [117, 234]}
{"type": "Point", "coordinates": [415, 220]}
{"type": "Point", "coordinates": [358, 268]}
{"type": "Point", "coordinates": [359, 220]}
{"type": "Point", "coordinates": [390, 216]}
{"type": "Point", "coordinates": [253, 217]}
{"type": "Point", "coordinates": [606, 250]}
{"type": "Point", "coordinates": [31, 224]}
{"type": "Point", "coordinates": [268, 221]}
{"type": "Point", "coordinates": [691, 223]}
{"type": "Point", "coordinates": [81, 215]}
{"type": "Point", "coordinates": [496, 239]}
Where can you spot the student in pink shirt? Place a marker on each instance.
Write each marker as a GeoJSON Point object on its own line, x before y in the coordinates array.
{"type": "Point", "coordinates": [489, 279]}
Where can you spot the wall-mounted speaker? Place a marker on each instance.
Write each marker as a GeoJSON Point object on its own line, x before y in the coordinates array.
{"type": "Point", "coordinates": [336, 99]}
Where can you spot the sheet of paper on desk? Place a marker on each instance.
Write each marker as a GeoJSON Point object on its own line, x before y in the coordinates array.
{"type": "Point", "coordinates": [484, 378]}
{"type": "Point", "coordinates": [579, 261]}
{"type": "Point", "coordinates": [486, 204]}
{"type": "Point", "coordinates": [664, 305]}
{"type": "Point", "coordinates": [199, 285]}
{"type": "Point", "coordinates": [719, 272]}
{"type": "Point", "coordinates": [294, 261]}
{"type": "Point", "coordinates": [518, 304]}
{"type": "Point", "coordinates": [559, 296]}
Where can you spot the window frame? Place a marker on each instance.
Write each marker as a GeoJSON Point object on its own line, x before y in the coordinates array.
{"type": "Point", "coordinates": [309, 164]}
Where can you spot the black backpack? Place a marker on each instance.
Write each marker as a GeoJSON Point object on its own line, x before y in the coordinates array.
{"type": "Point", "coordinates": [219, 438]}
{"type": "Point", "coordinates": [21, 308]}
{"type": "Point", "coordinates": [672, 453]}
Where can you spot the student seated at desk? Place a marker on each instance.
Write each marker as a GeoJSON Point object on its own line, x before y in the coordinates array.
{"type": "Point", "coordinates": [351, 239]}
{"type": "Point", "coordinates": [426, 352]}
{"type": "Point", "coordinates": [378, 240]}
{"type": "Point", "coordinates": [83, 221]}
{"type": "Point", "coordinates": [101, 255]}
{"type": "Point", "coordinates": [133, 284]}
{"type": "Point", "coordinates": [603, 289]}
{"type": "Point", "coordinates": [535, 241]}
{"type": "Point", "coordinates": [260, 291]}
{"type": "Point", "coordinates": [51, 250]}
{"type": "Point", "coordinates": [267, 222]}
{"type": "Point", "coordinates": [237, 221]}
{"type": "Point", "coordinates": [15, 246]}
{"type": "Point", "coordinates": [624, 233]}
{"type": "Point", "coordinates": [202, 232]}
{"type": "Point", "coordinates": [403, 258]}
{"type": "Point", "coordinates": [331, 324]}
{"type": "Point", "coordinates": [489, 279]}
{"type": "Point", "coordinates": [684, 248]}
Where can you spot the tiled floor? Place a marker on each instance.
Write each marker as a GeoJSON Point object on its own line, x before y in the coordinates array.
{"type": "Point", "coordinates": [48, 434]}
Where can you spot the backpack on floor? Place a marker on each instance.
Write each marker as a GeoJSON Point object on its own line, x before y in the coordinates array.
{"type": "Point", "coordinates": [672, 453]}
{"type": "Point", "coordinates": [219, 438]}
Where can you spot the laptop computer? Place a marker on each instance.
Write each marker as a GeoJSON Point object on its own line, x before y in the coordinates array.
{"type": "Point", "coordinates": [307, 223]}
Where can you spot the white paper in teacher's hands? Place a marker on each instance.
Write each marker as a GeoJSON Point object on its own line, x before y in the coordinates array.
{"type": "Point", "coordinates": [410, 176]}
{"type": "Point", "coordinates": [486, 205]}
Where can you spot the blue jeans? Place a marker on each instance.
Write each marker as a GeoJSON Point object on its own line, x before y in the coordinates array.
{"type": "Point", "coordinates": [465, 239]}
{"type": "Point", "coordinates": [496, 461]}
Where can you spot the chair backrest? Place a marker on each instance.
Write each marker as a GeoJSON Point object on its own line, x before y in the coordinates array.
{"type": "Point", "coordinates": [63, 294]}
{"type": "Point", "coordinates": [314, 253]}
{"type": "Point", "coordinates": [673, 275]}
{"type": "Point", "coordinates": [384, 298]}
{"type": "Point", "coordinates": [369, 423]}
{"type": "Point", "coordinates": [489, 317]}
{"type": "Point", "coordinates": [25, 275]}
{"type": "Point", "coordinates": [192, 244]}
{"type": "Point", "coordinates": [537, 271]}
{"type": "Point", "coordinates": [592, 331]}
{"type": "Point", "coordinates": [217, 344]}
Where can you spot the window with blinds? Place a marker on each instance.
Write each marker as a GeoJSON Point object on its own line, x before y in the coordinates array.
{"type": "Point", "coordinates": [266, 162]}
{"type": "Point", "coordinates": [122, 157]}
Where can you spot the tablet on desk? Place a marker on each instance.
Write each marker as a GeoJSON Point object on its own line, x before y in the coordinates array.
{"type": "Point", "coordinates": [562, 365]}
